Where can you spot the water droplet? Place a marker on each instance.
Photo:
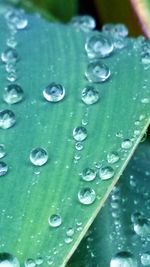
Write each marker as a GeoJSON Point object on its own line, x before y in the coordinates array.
{"type": "Point", "coordinates": [85, 23]}
{"type": "Point", "coordinates": [11, 42]}
{"type": "Point", "coordinates": [8, 260]}
{"type": "Point", "coordinates": [79, 146]}
{"type": "Point", "coordinates": [115, 29]}
{"type": "Point", "coordinates": [16, 19]}
{"type": "Point", "coordinates": [30, 263]}
{"type": "Point", "coordinates": [13, 94]}
{"type": "Point", "coordinates": [79, 133]}
{"type": "Point", "coordinates": [145, 58]}
{"type": "Point", "coordinates": [54, 92]}
{"type": "Point", "coordinates": [142, 227]}
{"type": "Point", "coordinates": [145, 258]}
{"type": "Point", "coordinates": [39, 261]}
{"type": "Point", "coordinates": [38, 156]}
{"type": "Point", "coordinates": [99, 46]}
{"type": "Point", "coordinates": [68, 239]}
{"type": "Point", "coordinates": [3, 168]}
{"type": "Point", "coordinates": [145, 100]}
{"type": "Point", "coordinates": [106, 172]}
{"type": "Point", "coordinates": [7, 119]}
{"type": "Point", "coordinates": [88, 174]}
{"type": "Point", "coordinates": [90, 95]}
{"type": "Point", "coordinates": [97, 72]}
{"type": "Point", "coordinates": [2, 151]}
{"type": "Point", "coordinates": [119, 42]}
{"type": "Point", "coordinates": [86, 196]}
{"type": "Point", "coordinates": [123, 259]}
{"type": "Point", "coordinates": [126, 144]}
{"type": "Point", "coordinates": [12, 77]}
{"type": "Point", "coordinates": [9, 55]}
{"type": "Point", "coordinates": [70, 232]}
{"type": "Point", "coordinates": [55, 220]}
{"type": "Point", "coordinates": [112, 157]}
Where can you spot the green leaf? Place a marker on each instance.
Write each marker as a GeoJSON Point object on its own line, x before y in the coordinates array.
{"type": "Point", "coordinates": [113, 228]}
{"type": "Point", "coordinates": [30, 194]}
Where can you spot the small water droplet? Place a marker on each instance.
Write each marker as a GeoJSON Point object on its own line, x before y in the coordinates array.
{"type": "Point", "coordinates": [38, 156]}
{"type": "Point", "coordinates": [97, 72]}
{"type": "Point", "coordinates": [106, 172]}
{"type": "Point", "coordinates": [79, 146]}
{"type": "Point", "coordinates": [2, 151]}
{"type": "Point", "coordinates": [85, 23]}
{"type": "Point", "coordinates": [8, 260]}
{"type": "Point", "coordinates": [126, 144]}
{"type": "Point", "coordinates": [7, 119]}
{"type": "Point", "coordinates": [11, 42]}
{"type": "Point", "coordinates": [115, 29]}
{"type": "Point", "coordinates": [112, 157]}
{"type": "Point", "coordinates": [145, 259]}
{"type": "Point", "coordinates": [70, 232]}
{"type": "Point", "coordinates": [12, 77]}
{"type": "Point", "coordinates": [9, 55]}
{"type": "Point", "coordinates": [13, 94]}
{"type": "Point", "coordinates": [55, 220]}
{"type": "Point", "coordinates": [30, 263]}
{"type": "Point", "coordinates": [39, 261]}
{"type": "Point", "coordinates": [123, 259]}
{"type": "Point", "coordinates": [79, 133]}
{"type": "Point", "coordinates": [68, 239]}
{"type": "Point", "coordinates": [88, 174]}
{"type": "Point", "coordinates": [86, 196]}
{"type": "Point", "coordinates": [16, 19]}
{"type": "Point", "coordinates": [54, 92]}
{"type": "Point", "coordinates": [142, 227]}
{"type": "Point", "coordinates": [99, 46]}
{"type": "Point", "coordinates": [90, 95]}
{"type": "Point", "coordinates": [145, 100]}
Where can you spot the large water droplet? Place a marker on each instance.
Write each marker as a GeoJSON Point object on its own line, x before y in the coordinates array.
{"type": "Point", "coordinates": [90, 95]}
{"type": "Point", "coordinates": [145, 259]}
{"type": "Point", "coordinates": [99, 46]}
{"type": "Point", "coordinates": [3, 168]}
{"type": "Point", "coordinates": [126, 144]}
{"type": "Point", "coordinates": [142, 227]}
{"type": "Point", "coordinates": [2, 151]}
{"type": "Point", "coordinates": [106, 172]}
{"type": "Point", "coordinates": [7, 119]}
{"type": "Point", "coordinates": [97, 72]}
{"type": "Point", "coordinates": [86, 196]}
{"type": "Point", "coordinates": [112, 157]}
{"type": "Point", "coordinates": [55, 220]}
{"type": "Point", "coordinates": [123, 259]}
{"type": "Point", "coordinates": [13, 94]}
{"type": "Point", "coordinates": [79, 133]}
{"type": "Point", "coordinates": [9, 55]}
{"type": "Point", "coordinates": [38, 156]}
{"type": "Point", "coordinates": [88, 174]}
{"type": "Point", "coordinates": [85, 23]}
{"type": "Point", "coordinates": [16, 19]}
{"type": "Point", "coordinates": [8, 260]}
{"type": "Point", "coordinates": [54, 92]}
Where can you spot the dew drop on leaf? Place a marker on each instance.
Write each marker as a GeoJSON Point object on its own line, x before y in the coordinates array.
{"type": "Point", "coordinates": [2, 151]}
{"type": "Point", "coordinates": [112, 157]}
{"type": "Point", "coordinates": [38, 156]}
{"type": "Point", "coordinates": [123, 259]}
{"type": "Point", "coordinates": [106, 172]}
{"type": "Point", "coordinates": [145, 259]}
{"type": "Point", "coordinates": [99, 46]}
{"type": "Point", "coordinates": [54, 92]}
{"type": "Point", "coordinates": [86, 196]}
{"type": "Point", "coordinates": [13, 94]}
{"type": "Point", "coordinates": [30, 263]}
{"type": "Point", "coordinates": [85, 23]}
{"type": "Point", "coordinates": [8, 260]}
{"type": "Point", "coordinates": [16, 19]}
{"type": "Point", "coordinates": [97, 72]}
{"type": "Point", "coordinates": [7, 119]}
{"type": "Point", "coordinates": [3, 168]}
{"type": "Point", "coordinates": [126, 144]}
{"type": "Point", "coordinates": [88, 174]}
{"type": "Point", "coordinates": [55, 220]}
{"type": "Point", "coordinates": [90, 95]}
{"type": "Point", "coordinates": [9, 55]}
{"type": "Point", "coordinates": [79, 133]}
